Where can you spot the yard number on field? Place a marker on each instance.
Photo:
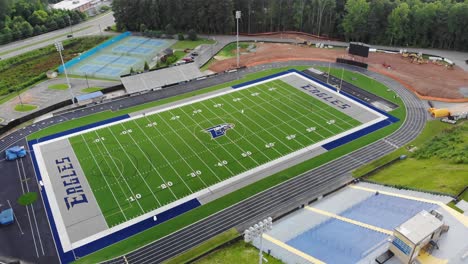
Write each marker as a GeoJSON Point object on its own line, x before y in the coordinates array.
{"type": "Point", "coordinates": [194, 174]}
{"type": "Point", "coordinates": [97, 140]}
{"type": "Point", "coordinates": [310, 129]}
{"type": "Point", "coordinates": [246, 154]}
{"type": "Point", "coordinates": [165, 185]}
{"type": "Point", "coordinates": [291, 137]}
{"type": "Point", "coordinates": [151, 124]}
{"type": "Point", "coordinates": [175, 117]}
{"type": "Point", "coordinates": [125, 132]}
{"type": "Point", "coordinates": [217, 105]}
{"type": "Point", "coordinates": [270, 145]}
{"type": "Point", "coordinates": [134, 198]}
{"type": "Point", "coordinates": [221, 163]}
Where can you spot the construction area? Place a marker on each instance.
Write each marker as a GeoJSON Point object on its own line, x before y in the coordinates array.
{"type": "Point", "coordinates": [430, 77]}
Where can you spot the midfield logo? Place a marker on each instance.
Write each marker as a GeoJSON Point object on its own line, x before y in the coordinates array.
{"type": "Point", "coordinates": [219, 130]}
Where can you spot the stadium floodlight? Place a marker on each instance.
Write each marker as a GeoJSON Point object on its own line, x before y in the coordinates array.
{"type": "Point", "coordinates": [238, 16]}
{"type": "Point", "coordinates": [256, 231]}
{"type": "Point", "coordinates": [59, 47]}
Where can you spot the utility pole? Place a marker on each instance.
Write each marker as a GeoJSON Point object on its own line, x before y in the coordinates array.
{"type": "Point", "coordinates": [238, 16]}
{"type": "Point", "coordinates": [59, 47]}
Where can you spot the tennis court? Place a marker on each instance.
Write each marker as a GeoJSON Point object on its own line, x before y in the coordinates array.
{"type": "Point", "coordinates": [117, 56]}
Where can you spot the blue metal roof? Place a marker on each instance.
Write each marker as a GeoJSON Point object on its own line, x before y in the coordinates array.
{"type": "Point", "coordinates": [85, 97]}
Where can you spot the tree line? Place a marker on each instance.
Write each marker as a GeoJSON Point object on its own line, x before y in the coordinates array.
{"type": "Point", "coordinates": [427, 23]}
{"type": "Point", "coordinates": [25, 18]}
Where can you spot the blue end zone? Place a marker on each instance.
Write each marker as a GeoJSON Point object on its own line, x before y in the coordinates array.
{"type": "Point", "coordinates": [67, 257]}
{"type": "Point", "coordinates": [341, 141]}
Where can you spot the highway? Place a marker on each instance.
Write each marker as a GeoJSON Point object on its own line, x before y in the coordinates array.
{"type": "Point", "coordinates": [92, 26]}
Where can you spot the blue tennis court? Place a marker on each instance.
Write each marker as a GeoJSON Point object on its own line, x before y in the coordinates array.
{"type": "Point", "coordinates": [338, 242]}
{"type": "Point", "coordinates": [117, 56]}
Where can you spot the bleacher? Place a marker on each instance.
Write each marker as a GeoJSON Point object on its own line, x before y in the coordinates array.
{"type": "Point", "coordinates": [159, 78]}
{"type": "Point", "coordinates": [386, 211]}
{"type": "Point", "coordinates": [335, 241]}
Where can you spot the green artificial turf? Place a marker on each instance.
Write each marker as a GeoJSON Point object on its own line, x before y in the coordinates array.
{"type": "Point", "coordinates": [169, 155]}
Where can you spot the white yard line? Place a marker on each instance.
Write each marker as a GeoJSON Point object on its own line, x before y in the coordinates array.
{"type": "Point", "coordinates": [138, 171]}
{"type": "Point", "coordinates": [120, 172]}
{"type": "Point", "coordinates": [279, 120]}
{"type": "Point", "coordinates": [311, 103]}
{"type": "Point", "coordinates": [151, 163]}
{"type": "Point", "coordinates": [306, 115]}
{"type": "Point", "coordinates": [104, 177]}
{"type": "Point", "coordinates": [183, 159]}
{"type": "Point", "coordinates": [221, 145]}
{"type": "Point", "coordinates": [252, 133]}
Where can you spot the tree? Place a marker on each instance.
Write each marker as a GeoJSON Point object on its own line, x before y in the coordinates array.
{"type": "Point", "coordinates": [143, 27]}
{"type": "Point", "coordinates": [180, 36]}
{"type": "Point", "coordinates": [39, 17]}
{"type": "Point", "coordinates": [26, 29]}
{"type": "Point", "coordinates": [192, 35]}
{"type": "Point", "coordinates": [169, 30]}
{"type": "Point", "coordinates": [6, 35]}
{"type": "Point", "coordinates": [37, 30]}
{"type": "Point", "coordinates": [355, 20]}
{"type": "Point", "coordinates": [398, 23]}
{"type": "Point", "coordinates": [146, 67]}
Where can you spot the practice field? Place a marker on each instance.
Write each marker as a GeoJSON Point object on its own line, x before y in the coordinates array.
{"type": "Point", "coordinates": [118, 177]}
{"type": "Point", "coordinates": [137, 166]}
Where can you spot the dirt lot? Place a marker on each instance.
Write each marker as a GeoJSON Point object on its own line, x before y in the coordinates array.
{"type": "Point", "coordinates": [430, 81]}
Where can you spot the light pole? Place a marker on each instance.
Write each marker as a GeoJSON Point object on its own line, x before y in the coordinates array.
{"type": "Point", "coordinates": [256, 231]}
{"type": "Point", "coordinates": [59, 47]}
{"type": "Point", "coordinates": [238, 16]}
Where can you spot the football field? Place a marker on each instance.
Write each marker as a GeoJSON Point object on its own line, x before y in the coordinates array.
{"type": "Point", "coordinates": [139, 165]}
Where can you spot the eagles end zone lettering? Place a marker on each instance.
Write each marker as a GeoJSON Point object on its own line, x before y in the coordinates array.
{"type": "Point", "coordinates": [74, 191]}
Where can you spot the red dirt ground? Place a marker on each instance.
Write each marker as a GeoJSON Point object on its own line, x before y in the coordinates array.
{"type": "Point", "coordinates": [429, 81]}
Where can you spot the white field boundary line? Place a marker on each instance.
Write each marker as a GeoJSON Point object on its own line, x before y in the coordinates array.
{"type": "Point", "coordinates": [65, 240]}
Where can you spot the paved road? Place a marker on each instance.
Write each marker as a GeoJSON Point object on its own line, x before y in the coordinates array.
{"type": "Point", "coordinates": [91, 27]}
{"type": "Point", "coordinates": [276, 200]}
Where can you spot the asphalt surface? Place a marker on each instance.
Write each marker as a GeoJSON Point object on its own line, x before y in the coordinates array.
{"type": "Point", "coordinates": [92, 26]}
{"type": "Point", "coordinates": [272, 202]}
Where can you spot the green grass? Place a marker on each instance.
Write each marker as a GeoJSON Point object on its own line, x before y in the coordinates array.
{"type": "Point", "coordinates": [1, 120]}
{"type": "Point", "coordinates": [59, 86]}
{"type": "Point", "coordinates": [91, 89]}
{"type": "Point", "coordinates": [191, 160]}
{"type": "Point", "coordinates": [204, 247]}
{"type": "Point", "coordinates": [238, 252]}
{"type": "Point", "coordinates": [437, 172]}
{"type": "Point", "coordinates": [230, 199]}
{"type": "Point", "coordinates": [230, 50]}
{"type": "Point", "coordinates": [431, 129]}
{"type": "Point", "coordinates": [25, 107]}
{"type": "Point", "coordinates": [27, 198]}
{"type": "Point", "coordinates": [188, 44]}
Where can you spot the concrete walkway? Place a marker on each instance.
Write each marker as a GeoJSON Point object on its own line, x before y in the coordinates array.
{"type": "Point", "coordinates": [41, 96]}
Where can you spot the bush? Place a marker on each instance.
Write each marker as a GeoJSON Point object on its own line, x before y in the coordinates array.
{"type": "Point", "coordinates": [181, 36]}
